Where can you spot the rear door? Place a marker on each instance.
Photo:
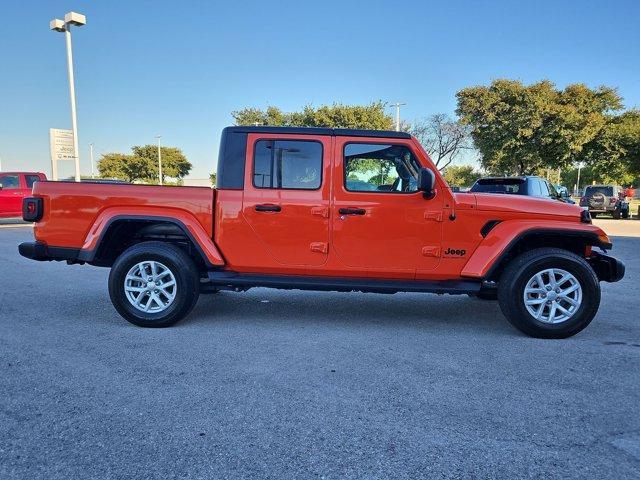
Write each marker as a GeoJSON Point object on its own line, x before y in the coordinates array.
{"type": "Point", "coordinates": [286, 196]}
{"type": "Point", "coordinates": [11, 194]}
{"type": "Point", "coordinates": [381, 223]}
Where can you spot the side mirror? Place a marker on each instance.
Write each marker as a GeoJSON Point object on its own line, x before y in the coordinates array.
{"type": "Point", "coordinates": [426, 182]}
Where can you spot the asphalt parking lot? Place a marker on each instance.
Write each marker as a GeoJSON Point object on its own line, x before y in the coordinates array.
{"type": "Point", "coordinates": [277, 384]}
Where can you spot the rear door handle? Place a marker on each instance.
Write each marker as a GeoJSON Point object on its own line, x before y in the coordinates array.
{"type": "Point", "coordinates": [268, 208]}
{"type": "Point", "coordinates": [352, 211]}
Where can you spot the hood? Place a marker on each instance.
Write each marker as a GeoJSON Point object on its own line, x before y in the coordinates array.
{"type": "Point", "coordinates": [525, 204]}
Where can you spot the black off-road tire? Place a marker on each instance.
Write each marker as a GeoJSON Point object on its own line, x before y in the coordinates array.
{"type": "Point", "coordinates": [616, 214]}
{"type": "Point", "coordinates": [515, 277]}
{"type": "Point", "coordinates": [181, 266]}
{"type": "Point", "coordinates": [593, 215]}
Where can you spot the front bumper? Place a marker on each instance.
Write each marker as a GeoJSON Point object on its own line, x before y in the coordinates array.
{"type": "Point", "coordinates": [43, 253]}
{"type": "Point", "coordinates": [607, 268]}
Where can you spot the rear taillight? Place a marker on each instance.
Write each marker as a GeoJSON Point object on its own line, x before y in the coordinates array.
{"type": "Point", "coordinates": [32, 209]}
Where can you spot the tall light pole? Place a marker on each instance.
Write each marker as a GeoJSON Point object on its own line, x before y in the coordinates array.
{"type": "Point", "coordinates": [398, 105]}
{"type": "Point", "coordinates": [159, 159]}
{"type": "Point", "coordinates": [77, 20]}
{"type": "Point", "coordinates": [91, 155]}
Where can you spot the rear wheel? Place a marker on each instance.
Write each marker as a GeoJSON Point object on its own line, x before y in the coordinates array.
{"type": "Point", "coordinates": [154, 284]}
{"type": "Point", "coordinates": [616, 214]}
{"type": "Point", "coordinates": [549, 293]}
{"type": "Point", "coordinates": [593, 215]}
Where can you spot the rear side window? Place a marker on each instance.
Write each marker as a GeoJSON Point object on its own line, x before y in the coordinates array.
{"type": "Point", "coordinates": [31, 179]}
{"type": "Point", "coordinates": [287, 164]}
{"type": "Point", "coordinates": [375, 167]}
{"type": "Point", "coordinates": [9, 182]}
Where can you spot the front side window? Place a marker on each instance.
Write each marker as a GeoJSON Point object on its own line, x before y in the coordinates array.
{"type": "Point", "coordinates": [287, 164]}
{"type": "Point", "coordinates": [9, 182]}
{"type": "Point", "coordinates": [31, 179]}
{"type": "Point", "coordinates": [375, 167]}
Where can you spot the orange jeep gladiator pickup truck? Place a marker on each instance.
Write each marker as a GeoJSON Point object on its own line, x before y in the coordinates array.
{"type": "Point", "coordinates": [326, 209]}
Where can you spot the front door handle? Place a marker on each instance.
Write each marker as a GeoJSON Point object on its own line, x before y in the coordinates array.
{"type": "Point", "coordinates": [352, 211]}
{"type": "Point", "coordinates": [268, 208]}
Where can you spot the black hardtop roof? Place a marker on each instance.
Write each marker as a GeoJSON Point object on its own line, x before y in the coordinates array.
{"type": "Point", "coordinates": [335, 132]}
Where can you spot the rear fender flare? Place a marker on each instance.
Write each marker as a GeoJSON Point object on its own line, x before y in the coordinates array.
{"type": "Point", "coordinates": [186, 222]}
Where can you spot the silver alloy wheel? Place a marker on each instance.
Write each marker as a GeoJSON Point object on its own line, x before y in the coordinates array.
{"type": "Point", "coordinates": [150, 287]}
{"type": "Point", "coordinates": [552, 295]}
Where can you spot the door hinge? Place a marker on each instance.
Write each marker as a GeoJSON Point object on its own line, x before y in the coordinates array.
{"type": "Point", "coordinates": [435, 216]}
{"type": "Point", "coordinates": [320, 211]}
{"type": "Point", "coordinates": [320, 247]}
{"type": "Point", "coordinates": [431, 251]}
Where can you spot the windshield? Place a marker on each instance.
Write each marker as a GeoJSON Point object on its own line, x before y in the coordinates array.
{"type": "Point", "coordinates": [607, 191]}
{"type": "Point", "coordinates": [499, 185]}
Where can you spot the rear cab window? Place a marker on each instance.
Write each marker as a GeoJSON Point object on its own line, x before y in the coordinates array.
{"type": "Point", "coordinates": [500, 185]}
{"type": "Point", "coordinates": [287, 164]}
{"type": "Point", "coordinates": [31, 179]}
{"type": "Point", "coordinates": [376, 167]}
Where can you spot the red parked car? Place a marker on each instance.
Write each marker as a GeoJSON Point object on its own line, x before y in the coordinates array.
{"type": "Point", "coordinates": [14, 186]}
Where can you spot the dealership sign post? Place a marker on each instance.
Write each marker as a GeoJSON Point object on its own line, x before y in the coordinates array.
{"type": "Point", "coordinates": [62, 148]}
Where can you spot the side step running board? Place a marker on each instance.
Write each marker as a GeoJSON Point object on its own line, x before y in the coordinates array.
{"type": "Point", "coordinates": [243, 281]}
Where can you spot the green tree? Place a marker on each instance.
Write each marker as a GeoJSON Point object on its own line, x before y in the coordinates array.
{"type": "Point", "coordinates": [142, 164]}
{"type": "Point", "coordinates": [174, 163]}
{"type": "Point", "coordinates": [370, 116]}
{"type": "Point", "coordinates": [615, 152]}
{"type": "Point", "coordinates": [213, 177]}
{"type": "Point", "coordinates": [123, 166]}
{"type": "Point", "coordinates": [520, 129]}
{"type": "Point", "coordinates": [461, 175]}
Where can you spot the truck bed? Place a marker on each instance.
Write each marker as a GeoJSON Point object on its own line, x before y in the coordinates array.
{"type": "Point", "coordinates": [72, 210]}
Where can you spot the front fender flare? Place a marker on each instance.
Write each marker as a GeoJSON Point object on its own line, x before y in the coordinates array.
{"type": "Point", "coordinates": [504, 236]}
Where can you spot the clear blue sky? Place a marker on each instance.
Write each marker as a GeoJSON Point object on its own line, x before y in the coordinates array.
{"type": "Point", "coordinates": [179, 68]}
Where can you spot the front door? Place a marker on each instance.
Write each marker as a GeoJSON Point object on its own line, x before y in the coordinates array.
{"type": "Point", "coordinates": [10, 195]}
{"type": "Point", "coordinates": [381, 224]}
{"type": "Point", "coordinates": [286, 196]}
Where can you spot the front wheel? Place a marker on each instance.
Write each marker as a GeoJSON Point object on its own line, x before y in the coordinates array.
{"type": "Point", "coordinates": [549, 293]}
{"type": "Point", "coordinates": [154, 284]}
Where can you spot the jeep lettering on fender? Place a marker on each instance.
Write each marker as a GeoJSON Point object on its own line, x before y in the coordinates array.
{"type": "Point", "coordinates": [307, 208]}
{"type": "Point", "coordinates": [452, 252]}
